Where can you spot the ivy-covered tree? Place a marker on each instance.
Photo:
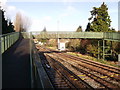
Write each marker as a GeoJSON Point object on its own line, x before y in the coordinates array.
{"type": "Point", "coordinates": [98, 22]}
{"type": "Point", "coordinates": [88, 29]}
{"type": "Point", "coordinates": [44, 30]}
{"type": "Point", "coordinates": [7, 26]}
{"type": "Point", "coordinates": [100, 19]}
{"type": "Point", "coordinates": [79, 29]}
{"type": "Point", "coordinates": [10, 27]}
{"type": "Point", "coordinates": [4, 23]}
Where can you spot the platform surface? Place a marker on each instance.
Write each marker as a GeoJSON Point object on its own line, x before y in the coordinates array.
{"type": "Point", "coordinates": [16, 65]}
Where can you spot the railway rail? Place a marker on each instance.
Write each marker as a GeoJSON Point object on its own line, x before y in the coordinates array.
{"type": "Point", "coordinates": [90, 73]}
{"type": "Point", "coordinates": [95, 67]}
{"type": "Point", "coordinates": [60, 76]}
{"type": "Point", "coordinates": [55, 76]}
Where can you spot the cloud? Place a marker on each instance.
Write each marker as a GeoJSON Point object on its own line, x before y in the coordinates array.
{"type": "Point", "coordinates": [71, 9]}
{"type": "Point", "coordinates": [64, 1]}
{"type": "Point", "coordinates": [36, 25]}
{"type": "Point", "coordinates": [10, 11]}
{"type": "Point", "coordinates": [113, 10]}
{"type": "Point", "coordinates": [39, 23]}
{"type": "Point", "coordinates": [3, 2]}
{"type": "Point", "coordinates": [68, 11]}
{"type": "Point", "coordinates": [46, 18]}
{"type": "Point", "coordinates": [64, 15]}
{"type": "Point", "coordinates": [11, 8]}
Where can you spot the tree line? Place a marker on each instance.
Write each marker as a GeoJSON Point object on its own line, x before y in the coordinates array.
{"type": "Point", "coordinates": [7, 25]}
{"type": "Point", "coordinates": [21, 23]}
{"type": "Point", "coordinates": [98, 22]}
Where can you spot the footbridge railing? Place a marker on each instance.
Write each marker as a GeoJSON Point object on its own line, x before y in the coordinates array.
{"type": "Point", "coordinates": [104, 36]}
{"type": "Point", "coordinates": [6, 40]}
{"type": "Point", "coordinates": [39, 77]}
{"type": "Point", "coordinates": [112, 36]}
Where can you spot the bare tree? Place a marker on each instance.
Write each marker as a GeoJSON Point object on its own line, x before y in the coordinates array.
{"type": "Point", "coordinates": [26, 23]}
{"type": "Point", "coordinates": [22, 22]}
{"type": "Point", "coordinates": [18, 22]}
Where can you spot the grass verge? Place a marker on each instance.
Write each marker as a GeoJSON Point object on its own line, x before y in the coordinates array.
{"type": "Point", "coordinates": [111, 63]}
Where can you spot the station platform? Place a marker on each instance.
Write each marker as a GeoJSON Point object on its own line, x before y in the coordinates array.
{"type": "Point", "coordinates": [16, 65]}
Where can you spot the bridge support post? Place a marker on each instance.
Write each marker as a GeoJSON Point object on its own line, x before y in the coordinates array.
{"type": "Point", "coordinates": [103, 49]}
{"type": "Point", "coordinates": [111, 47]}
{"type": "Point", "coordinates": [119, 59]}
{"type": "Point", "coordinates": [98, 49]}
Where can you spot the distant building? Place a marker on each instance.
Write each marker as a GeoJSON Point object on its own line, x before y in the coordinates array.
{"type": "Point", "coordinates": [35, 41]}
{"type": "Point", "coordinates": [61, 46]}
{"type": "Point", "coordinates": [40, 43]}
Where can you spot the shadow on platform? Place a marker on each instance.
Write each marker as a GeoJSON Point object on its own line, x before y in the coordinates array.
{"type": "Point", "coordinates": [16, 65]}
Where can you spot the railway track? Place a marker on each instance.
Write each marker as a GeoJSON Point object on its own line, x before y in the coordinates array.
{"type": "Point", "coordinates": [55, 76]}
{"type": "Point", "coordinates": [102, 76]}
{"type": "Point", "coordinates": [103, 66]}
{"type": "Point", "coordinates": [75, 81]}
{"type": "Point", "coordinates": [94, 67]}
{"type": "Point", "coordinates": [60, 76]}
{"type": "Point", "coordinates": [86, 73]}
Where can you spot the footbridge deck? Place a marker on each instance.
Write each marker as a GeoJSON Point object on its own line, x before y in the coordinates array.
{"type": "Point", "coordinates": [112, 36]}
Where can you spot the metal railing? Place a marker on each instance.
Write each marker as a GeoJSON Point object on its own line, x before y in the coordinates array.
{"type": "Point", "coordinates": [113, 36]}
{"type": "Point", "coordinates": [39, 76]}
{"type": "Point", "coordinates": [69, 35]}
{"type": "Point", "coordinates": [26, 34]}
{"type": "Point", "coordinates": [6, 40]}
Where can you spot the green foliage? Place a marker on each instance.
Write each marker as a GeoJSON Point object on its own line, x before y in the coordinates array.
{"type": "Point", "coordinates": [88, 29]}
{"type": "Point", "coordinates": [42, 40]}
{"type": "Point", "coordinates": [79, 29]}
{"type": "Point", "coordinates": [4, 23]}
{"type": "Point", "coordinates": [10, 27]}
{"type": "Point", "coordinates": [116, 49]}
{"type": "Point", "coordinates": [92, 50]}
{"type": "Point", "coordinates": [44, 30]}
{"type": "Point", "coordinates": [100, 22]}
{"type": "Point", "coordinates": [100, 19]}
{"type": "Point", "coordinates": [50, 45]}
{"type": "Point", "coordinates": [6, 28]}
{"type": "Point", "coordinates": [73, 44]}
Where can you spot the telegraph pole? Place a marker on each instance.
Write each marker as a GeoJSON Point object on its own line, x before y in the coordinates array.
{"type": "Point", "coordinates": [58, 41]}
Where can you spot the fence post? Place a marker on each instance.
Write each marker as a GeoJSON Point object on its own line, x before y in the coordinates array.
{"type": "Point", "coordinates": [7, 41]}
{"type": "Point", "coordinates": [31, 60]}
{"type": "Point", "coordinates": [12, 39]}
{"type": "Point", "coordinates": [119, 59]}
{"type": "Point", "coordinates": [4, 43]}
{"type": "Point", "coordinates": [103, 49]}
{"type": "Point", "coordinates": [1, 62]}
{"type": "Point", "coordinates": [98, 49]}
{"type": "Point", "coordinates": [0, 45]}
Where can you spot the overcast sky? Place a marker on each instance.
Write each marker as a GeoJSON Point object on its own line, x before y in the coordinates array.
{"type": "Point", "coordinates": [66, 15]}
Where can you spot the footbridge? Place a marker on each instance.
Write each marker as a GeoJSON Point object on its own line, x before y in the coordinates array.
{"type": "Point", "coordinates": [22, 66]}
{"type": "Point", "coordinates": [112, 36]}
{"type": "Point", "coordinates": [104, 36]}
